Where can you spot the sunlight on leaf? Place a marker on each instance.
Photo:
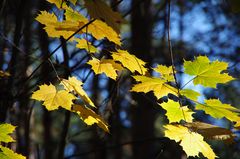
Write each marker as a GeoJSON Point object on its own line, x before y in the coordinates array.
{"type": "Point", "coordinates": [130, 61]}
{"type": "Point", "coordinates": [207, 73]}
{"type": "Point", "coordinates": [157, 85]}
{"type": "Point", "coordinates": [5, 130]}
{"type": "Point", "coordinates": [9, 154]}
{"type": "Point", "coordinates": [190, 94]}
{"type": "Point", "coordinates": [106, 66]}
{"type": "Point", "coordinates": [191, 142]}
{"type": "Point", "coordinates": [217, 109]}
{"type": "Point", "coordinates": [165, 72]}
{"type": "Point", "coordinates": [90, 117]}
{"type": "Point", "coordinates": [84, 44]}
{"type": "Point", "coordinates": [52, 98]}
{"type": "Point", "coordinates": [176, 113]}
{"type": "Point", "coordinates": [73, 84]}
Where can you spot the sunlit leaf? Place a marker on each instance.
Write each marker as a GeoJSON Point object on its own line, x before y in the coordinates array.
{"type": "Point", "coordinates": [4, 74]}
{"type": "Point", "coordinates": [5, 130]}
{"type": "Point", "coordinates": [90, 117]}
{"type": "Point", "coordinates": [190, 94]}
{"type": "Point", "coordinates": [176, 113]}
{"type": "Point", "coordinates": [130, 61]}
{"type": "Point", "coordinates": [9, 154]}
{"type": "Point", "coordinates": [84, 44]}
{"type": "Point", "coordinates": [52, 98]}
{"type": "Point", "coordinates": [218, 110]}
{"type": "Point", "coordinates": [165, 72]}
{"type": "Point", "coordinates": [157, 85]}
{"type": "Point", "coordinates": [108, 67]}
{"type": "Point", "coordinates": [207, 73]}
{"type": "Point", "coordinates": [54, 28]}
{"type": "Point", "coordinates": [73, 84]}
{"type": "Point", "coordinates": [191, 142]}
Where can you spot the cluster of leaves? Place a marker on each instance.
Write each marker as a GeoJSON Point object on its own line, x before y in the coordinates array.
{"type": "Point", "coordinates": [7, 153]}
{"type": "Point", "coordinates": [182, 128]}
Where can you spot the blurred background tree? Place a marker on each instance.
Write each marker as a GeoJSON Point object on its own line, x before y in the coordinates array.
{"type": "Point", "coordinates": [198, 27]}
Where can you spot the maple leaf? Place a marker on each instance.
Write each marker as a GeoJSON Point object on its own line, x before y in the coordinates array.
{"type": "Point", "coordinates": [100, 10]}
{"type": "Point", "coordinates": [157, 85]}
{"type": "Point", "coordinates": [207, 73]}
{"type": "Point", "coordinates": [190, 94]}
{"type": "Point", "coordinates": [9, 154]}
{"type": "Point", "coordinates": [90, 117]}
{"type": "Point", "coordinates": [58, 29]}
{"type": "Point", "coordinates": [101, 30]}
{"type": "Point", "coordinates": [84, 44]}
{"type": "Point", "coordinates": [211, 131]}
{"type": "Point", "coordinates": [130, 61]}
{"type": "Point", "coordinates": [218, 110]}
{"type": "Point", "coordinates": [73, 84]}
{"type": "Point", "coordinates": [191, 142]}
{"type": "Point", "coordinates": [176, 113]}
{"type": "Point", "coordinates": [52, 98]}
{"type": "Point", "coordinates": [5, 130]}
{"type": "Point", "coordinates": [106, 66]}
{"type": "Point", "coordinates": [165, 72]}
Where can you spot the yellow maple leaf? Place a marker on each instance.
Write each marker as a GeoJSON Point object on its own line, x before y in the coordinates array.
{"type": "Point", "coordinates": [176, 113]}
{"type": "Point", "coordinates": [4, 74]}
{"type": "Point", "coordinates": [54, 28]}
{"type": "Point", "coordinates": [52, 98]}
{"type": "Point", "coordinates": [101, 30]}
{"type": "Point", "coordinates": [90, 117]}
{"type": "Point", "coordinates": [84, 44]}
{"type": "Point", "coordinates": [130, 61]}
{"type": "Point", "coordinates": [100, 10]}
{"type": "Point", "coordinates": [191, 142]}
{"type": "Point", "coordinates": [165, 72]}
{"type": "Point", "coordinates": [106, 66]}
{"type": "Point", "coordinates": [73, 84]}
{"type": "Point", "coordinates": [217, 109]}
{"type": "Point", "coordinates": [207, 73]}
{"type": "Point", "coordinates": [157, 85]}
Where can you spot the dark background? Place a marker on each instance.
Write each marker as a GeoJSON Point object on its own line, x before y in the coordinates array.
{"type": "Point", "coordinates": [198, 27]}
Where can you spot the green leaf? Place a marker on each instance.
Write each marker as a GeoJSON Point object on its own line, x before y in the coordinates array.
{"type": "Point", "coordinates": [207, 73]}
{"type": "Point", "coordinates": [9, 154]}
{"type": "Point", "coordinates": [190, 94]}
{"type": "Point", "coordinates": [5, 130]}
{"type": "Point", "coordinates": [176, 113]}
{"type": "Point", "coordinates": [218, 110]}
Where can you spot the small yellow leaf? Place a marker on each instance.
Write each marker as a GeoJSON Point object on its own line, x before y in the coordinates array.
{"type": "Point", "coordinates": [90, 117]}
{"type": "Point", "coordinates": [157, 85]}
{"type": "Point", "coordinates": [130, 61]}
{"type": "Point", "coordinates": [73, 84]}
{"type": "Point", "coordinates": [218, 110]}
{"type": "Point", "coordinates": [5, 130]}
{"type": "Point", "coordinates": [84, 44]}
{"type": "Point", "coordinates": [52, 98]}
{"type": "Point", "coordinates": [108, 67]}
{"type": "Point", "coordinates": [176, 113]}
{"type": "Point", "coordinates": [165, 72]}
{"type": "Point", "coordinates": [191, 94]}
{"type": "Point", "coordinates": [207, 73]}
{"type": "Point", "coordinates": [191, 142]}
{"type": "Point", "coordinates": [9, 154]}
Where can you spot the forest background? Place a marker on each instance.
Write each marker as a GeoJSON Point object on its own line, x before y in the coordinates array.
{"type": "Point", "coordinates": [198, 27]}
